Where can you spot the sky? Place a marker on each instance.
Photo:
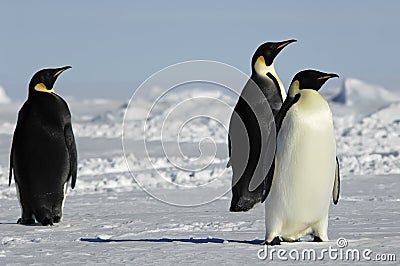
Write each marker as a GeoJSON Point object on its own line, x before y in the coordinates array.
{"type": "Point", "coordinates": [113, 46]}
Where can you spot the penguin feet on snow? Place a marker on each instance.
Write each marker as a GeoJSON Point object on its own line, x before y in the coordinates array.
{"type": "Point", "coordinates": [317, 239]}
{"type": "Point", "coordinates": [275, 241]}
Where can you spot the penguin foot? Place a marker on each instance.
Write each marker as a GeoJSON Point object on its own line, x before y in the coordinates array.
{"type": "Point", "coordinates": [275, 241]}
{"type": "Point", "coordinates": [26, 221]}
{"type": "Point", "coordinates": [317, 239]}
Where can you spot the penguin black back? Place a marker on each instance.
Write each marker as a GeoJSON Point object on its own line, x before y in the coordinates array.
{"type": "Point", "coordinates": [43, 154]}
{"type": "Point", "coordinates": [251, 121]}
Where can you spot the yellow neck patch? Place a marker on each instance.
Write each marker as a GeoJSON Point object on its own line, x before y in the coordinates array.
{"type": "Point", "coordinates": [41, 87]}
{"type": "Point", "coordinates": [261, 60]}
{"type": "Point", "coordinates": [294, 88]}
{"type": "Point", "coordinates": [260, 66]}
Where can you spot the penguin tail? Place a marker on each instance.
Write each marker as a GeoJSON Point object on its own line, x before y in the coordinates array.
{"type": "Point", "coordinates": [263, 197]}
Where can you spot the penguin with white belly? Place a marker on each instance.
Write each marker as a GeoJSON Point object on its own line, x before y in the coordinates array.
{"type": "Point", "coordinates": [305, 171]}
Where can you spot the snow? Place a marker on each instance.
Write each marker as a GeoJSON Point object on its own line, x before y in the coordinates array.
{"type": "Point", "coordinates": [355, 92]}
{"type": "Point", "coordinates": [115, 217]}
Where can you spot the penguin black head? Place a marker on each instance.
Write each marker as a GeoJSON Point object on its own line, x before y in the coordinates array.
{"type": "Point", "coordinates": [309, 79]}
{"type": "Point", "coordinates": [266, 53]}
{"type": "Point", "coordinates": [43, 80]}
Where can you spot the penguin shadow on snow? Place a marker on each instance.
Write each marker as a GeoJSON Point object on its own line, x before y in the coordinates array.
{"type": "Point", "coordinates": [171, 240]}
{"type": "Point", "coordinates": [213, 240]}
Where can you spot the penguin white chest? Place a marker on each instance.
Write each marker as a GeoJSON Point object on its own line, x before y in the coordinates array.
{"type": "Point", "coordinates": [304, 169]}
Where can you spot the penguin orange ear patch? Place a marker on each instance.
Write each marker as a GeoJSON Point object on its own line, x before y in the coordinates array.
{"type": "Point", "coordinates": [294, 88]}
{"type": "Point", "coordinates": [41, 87]}
{"type": "Point", "coordinates": [261, 60]}
{"type": "Point", "coordinates": [260, 66]}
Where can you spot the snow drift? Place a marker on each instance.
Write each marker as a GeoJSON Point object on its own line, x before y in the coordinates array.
{"type": "Point", "coordinates": [355, 92]}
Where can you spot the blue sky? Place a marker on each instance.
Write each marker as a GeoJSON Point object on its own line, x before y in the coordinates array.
{"type": "Point", "coordinates": [115, 45]}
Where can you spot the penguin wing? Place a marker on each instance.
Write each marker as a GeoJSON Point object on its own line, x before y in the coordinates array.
{"type": "Point", "coordinates": [336, 185]}
{"type": "Point", "coordinates": [278, 123]}
{"type": "Point", "coordinates": [284, 109]}
{"type": "Point", "coordinates": [268, 181]}
{"type": "Point", "coordinates": [73, 155]}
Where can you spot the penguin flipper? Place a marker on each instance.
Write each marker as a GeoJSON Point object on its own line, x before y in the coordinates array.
{"type": "Point", "coordinates": [284, 109]}
{"type": "Point", "coordinates": [278, 123]}
{"type": "Point", "coordinates": [336, 185]}
{"type": "Point", "coordinates": [268, 181]}
{"type": "Point", "coordinates": [73, 155]}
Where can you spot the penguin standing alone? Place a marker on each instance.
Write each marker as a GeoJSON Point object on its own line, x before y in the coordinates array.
{"type": "Point", "coordinates": [250, 124]}
{"type": "Point", "coordinates": [43, 153]}
{"type": "Point", "coordinates": [306, 169]}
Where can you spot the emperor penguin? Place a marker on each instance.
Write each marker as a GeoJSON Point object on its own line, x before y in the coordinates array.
{"type": "Point", "coordinates": [306, 170]}
{"type": "Point", "coordinates": [43, 154]}
{"type": "Point", "coordinates": [250, 124]}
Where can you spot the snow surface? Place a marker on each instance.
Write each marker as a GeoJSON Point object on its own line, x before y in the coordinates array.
{"type": "Point", "coordinates": [110, 219]}
{"type": "Point", "coordinates": [355, 92]}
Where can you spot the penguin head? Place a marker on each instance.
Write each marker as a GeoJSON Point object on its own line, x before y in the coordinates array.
{"type": "Point", "coordinates": [266, 53]}
{"type": "Point", "coordinates": [309, 79]}
{"type": "Point", "coordinates": [43, 80]}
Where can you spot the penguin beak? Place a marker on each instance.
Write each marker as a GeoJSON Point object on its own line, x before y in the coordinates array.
{"type": "Point", "coordinates": [283, 44]}
{"type": "Point", "coordinates": [278, 48]}
{"type": "Point", "coordinates": [324, 77]}
{"type": "Point", "coordinates": [60, 70]}
{"type": "Point", "coordinates": [328, 76]}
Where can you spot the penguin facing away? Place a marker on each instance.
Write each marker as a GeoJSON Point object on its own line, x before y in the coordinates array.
{"type": "Point", "coordinates": [251, 127]}
{"type": "Point", "coordinates": [43, 154]}
{"type": "Point", "coordinates": [305, 171]}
